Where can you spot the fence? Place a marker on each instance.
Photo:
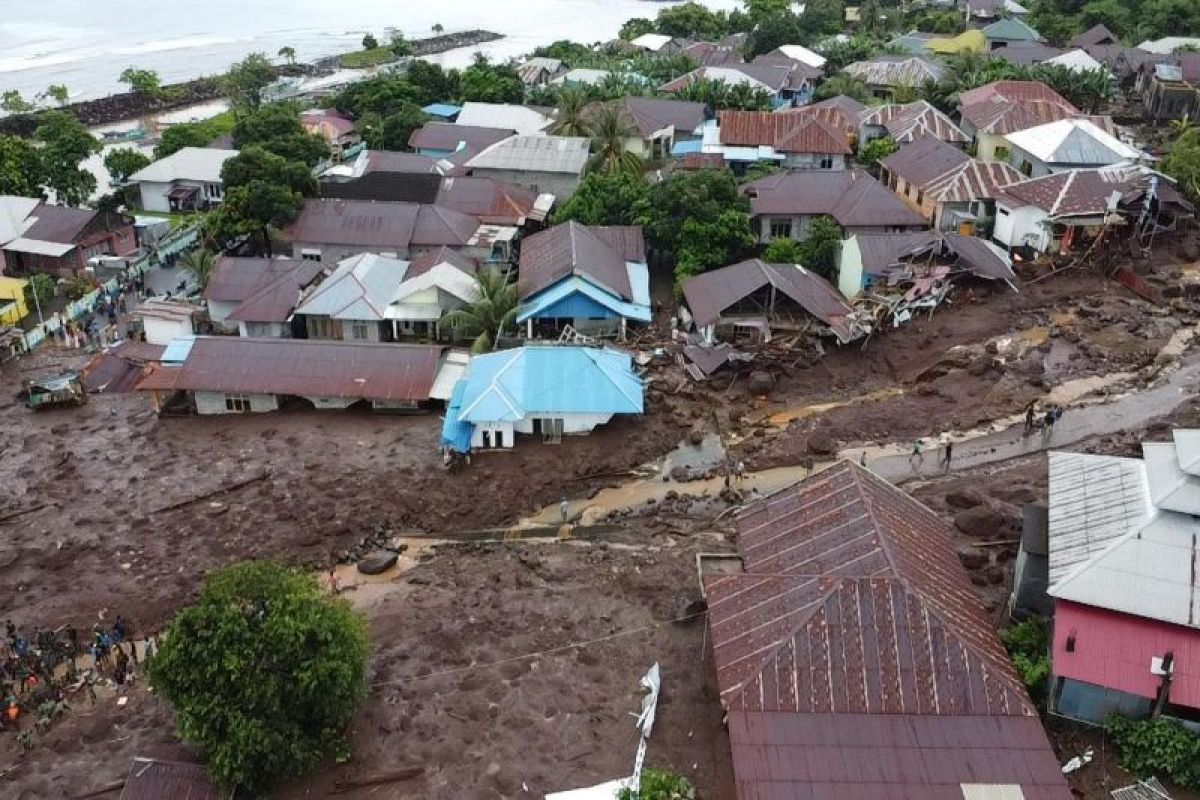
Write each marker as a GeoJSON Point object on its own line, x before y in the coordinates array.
{"type": "Point", "coordinates": [174, 242]}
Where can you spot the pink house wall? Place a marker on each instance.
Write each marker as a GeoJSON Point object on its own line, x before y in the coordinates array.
{"type": "Point", "coordinates": [1113, 650]}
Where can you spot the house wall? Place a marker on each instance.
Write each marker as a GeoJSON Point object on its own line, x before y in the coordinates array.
{"type": "Point", "coordinates": [1015, 227]}
{"type": "Point", "coordinates": [815, 161]}
{"type": "Point", "coordinates": [850, 268]}
{"type": "Point", "coordinates": [215, 403]}
{"type": "Point", "coordinates": [572, 423]}
{"type": "Point", "coordinates": [498, 434]}
{"type": "Point", "coordinates": [162, 331]}
{"type": "Point", "coordinates": [154, 194]}
{"type": "Point", "coordinates": [1113, 651]}
{"type": "Point", "coordinates": [370, 331]}
{"type": "Point", "coordinates": [1027, 164]}
{"type": "Point", "coordinates": [987, 145]}
{"type": "Point", "coordinates": [218, 310]}
{"type": "Point", "coordinates": [800, 225]}
{"type": "Point", "coordinates": [1162, 101]}
{"type": "Point", "coordinates": [29, 263]}
{"type": "Point", "coordinates": [12, 295]}
{"type": "Point", "coordinates": [331, 254]}
{"type": "Point", "coordinates": [561, 185]}
{"type": "Point", "coordinates": [912, 194]}
{"type": "Point", "coordinates": [265, 330]}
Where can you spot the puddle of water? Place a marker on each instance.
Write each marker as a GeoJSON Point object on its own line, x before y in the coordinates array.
{"type": "Point", "coordinates": [781, 419]}
{"type": "Point", "coordinates": [362, 590]}
{"type": "Point", "coordinates": [695, 457]}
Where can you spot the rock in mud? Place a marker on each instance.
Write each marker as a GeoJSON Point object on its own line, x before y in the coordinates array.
{"type": "Point", "coordinates": [822, 444]}
{"type": "Point", "coordinates": [377, 562]}
{"type": "Point", "coordinates": [760, 383]}
{"type": "Point", "coordinates": [973, 560]}
{"type": "Point", "coordinates": [964, 498]}
{"type": "Point", "coordinates": [981, 522]}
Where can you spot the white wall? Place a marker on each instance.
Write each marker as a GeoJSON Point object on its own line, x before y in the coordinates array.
{"type": "Point", "coordinates": [502, 429]}
{"type": "Point", "coordinates": [572, 423]}
{"type": "Point", "coordinates": [162, 331]}
{"type": "Point", "coordinates": [850, 268]}
{"type": "Point", "coordinates": [214, 403]}
{"type": "Point", "coordinates": [1012, 228]}
{"type": "Point", "coordinates": [265, 330]}
{"type": "Point", "coordinates": [218, 310]}
{"type": "Point", "coordinates": [560, 184]}
{"type": "Point", "coordinates": [813, 161]}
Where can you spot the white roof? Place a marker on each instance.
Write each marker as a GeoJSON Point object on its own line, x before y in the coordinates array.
{"type": "Point", "coordinates": [191, 163]}
{"type": "Point", "coordinates": [802, 54]}
{"type": "Point", "coordinates": [1074, 141]}
{"type": "Point", "coordinates": [592, 77]}
{"type": "Point", "coordinates": [651, 41]}
{"type": "Point", "coordinates": [450, 371]}
{"type": "Point", "coordinates": [1169, 44]}
{"type": "Point", "coordinates": [359, 289]}
{"type": "Point", "coordinates": [567, 154]}
{"type": "Point", "coordinates": [1076, 61]}
{"type": "Point", "coordinates": [14, 216]}
{"type": "Point", "coordinates": [733, 77]}
{"type": "Point", "coordinates": [522, 119]}
{"type": "Point", "coordinates": [443, 277]}
{"type": "Point", "coordinates": [1013, 7]}
{"type": "Point", "coordinates": [1124, 532]}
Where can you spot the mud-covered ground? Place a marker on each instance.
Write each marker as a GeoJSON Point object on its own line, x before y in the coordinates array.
{"type": "Point", "coordinates": [98, 483]}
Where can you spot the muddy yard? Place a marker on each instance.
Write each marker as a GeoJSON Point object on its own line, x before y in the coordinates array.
{"type": "Point", "coordinates": [509, 670]}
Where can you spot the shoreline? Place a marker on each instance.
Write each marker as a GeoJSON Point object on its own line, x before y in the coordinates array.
{"type": "Point", "coordinates": [125, 106]}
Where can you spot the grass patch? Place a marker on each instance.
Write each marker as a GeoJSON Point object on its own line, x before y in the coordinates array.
{"type": "Point", "coordinates": [368, 58]}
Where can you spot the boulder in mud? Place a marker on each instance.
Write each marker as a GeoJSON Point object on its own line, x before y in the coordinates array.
{"type": "Point", "coordinates": [973, 559]}
{"type": "Point", "coordinates": [964, 498]}
{"type": "Point", "coordinates": [822, 444]}
{"type": "Point", "coordinates": [760, 383]}
{"type": "Point", "coordinates": [980, 522]}
{"type": "Point", "coordinates": [377, 562]}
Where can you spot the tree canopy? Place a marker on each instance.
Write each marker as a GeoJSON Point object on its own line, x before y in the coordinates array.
{"type": "Point", "coordinates": [191, 134]}
{"type": "Point", "coordinates": [243, 84]}
{"type": "Point", "coordinates": [66, 143]}
{"type": "Point", "coordinates": [142, 81]}
{"type": "Point", "coordinates": [485, 319]}
{"type": "Point", "coordinates": [124, 161]}
{"type": "Point", "coordinates": [276, 127]}
{"type": "Point", "coordinates": [819, 250]}
{"type": "Point", "coordinates": [1183, 163]}
{"type": "Point", "coordinates": [264, 673]}
{"type": "Point", "coordinates": [606, 199]}
{"type": "Point", "coordinates": [20, 167]}
{"type": "Point", "coordinates": [256, 163]}
{"type": "Point", "coordinates": [485, 82]}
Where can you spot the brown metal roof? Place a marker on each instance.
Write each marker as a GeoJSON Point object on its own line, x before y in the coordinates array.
{"type": "Point", "coordinates": [154, 779]}
{"type": "Point", "coordinates": [1097, 34]}
{"type": "Point", "coordinates": [710, 293]}
{"type": "Point", "coordinates": [448, 136]}
{"type": "Point", "coordinates": [379, 224]}
{"type": "Point", "coordinates": [443, 255]}
{"type": "Point", "coordinates": [650, 114]}
{"type": "Point", "coordinates": [855, 660]}
{"type": "Point", "coordinates": [1086, 192]}
{"type": "Point", "coordinates": [275, 298]}
{"type": "Point", "coordinates": [924, 159]}
{"type": "Point", "coordinates": [910, 121]}
{"type": "Point", "coordinates": [59, 223]}
{"type": "Point", "coordinates": [852, 197]}
{"type": "Point", "coordinates": [787, 133]}
{"type": "Point", "coordinates": [595, 253]}
{"type": "Point", "coordinates": [1009, 106]}
{"type": "Point", "coordinates": [974, 180]}
{"type": "Point", "coordinates": [233, 279]}
{"type": "Point", "coordinates": [307, 367]}
{"type": "Point", "coordinates": [488, 200]}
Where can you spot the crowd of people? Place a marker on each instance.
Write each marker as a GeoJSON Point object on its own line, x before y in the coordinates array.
{"type": "Point", "coordinates": [39, 668]}
{"type": "Point", "coordinates": [99, 326]}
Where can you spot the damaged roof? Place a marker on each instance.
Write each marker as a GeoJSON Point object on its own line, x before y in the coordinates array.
{"type": "Point", "coordinates": [1089, 192]}
{"type": "Point", "coordinates": [854, 659]}
{"type": "Point", "coordinates": [786, 133]}
{"type": "Point", "coordinates": [910, 121]}
{"type": "Point", "coordinates": [852, 197]}
{"type": "Point", "coordinates": [883, 254]}
{"type": "Point", "coordinates": [710, 293]}
{"type": "Point", "coordinates": [309, 368]}
{"type": "Point", "coordinates": [597, 253]}
{"type": "Point", "coordinates": [156, 779]}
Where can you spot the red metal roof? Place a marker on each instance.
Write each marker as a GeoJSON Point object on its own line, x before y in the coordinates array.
{"type": "Point", "coordinates": [1010, 106]}
{"type": "Point", "coordinates": [306, 367]}
{"type": "Point", "coordinates": [856, 661]}
{"type": "Point", "coordinates": [593, 252]}
{"type": "Point", "coordinates": [907, 122]}
{"type": "Point", "coordinates": [787, 133]}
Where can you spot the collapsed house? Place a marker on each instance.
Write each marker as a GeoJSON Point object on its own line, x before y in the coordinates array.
{"type": "Point", "coordinates": [767, 299]}
{"type": "Point", "coordinates": [231, 375]}
{"type": "Point", "coordinates": [890, 278]}
{"type": "Point", "coordinates": [539, 389]}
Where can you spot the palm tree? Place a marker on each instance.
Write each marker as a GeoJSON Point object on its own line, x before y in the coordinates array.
{"type": "Point", "coordinates": [491, 314]}
{"type": "Point", "coordinates": [1182, 125]}
{"type": "Point", "coordinates": [288, 53]}
{"type": "Point", "coordinates": [437, 29]}
{"type": "Point", "coordinates": [610, 130]}
{"type": "Point", "coordinates": [199, 264]}
{"type": "Point", "coordinates": [569, 121]}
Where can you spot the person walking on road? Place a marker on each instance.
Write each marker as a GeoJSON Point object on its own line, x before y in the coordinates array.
{"type": "Point", "coordinates": [739, 472]}
{"type": "Point", "coordinates": [1048, 422]}
{"type": "Point", "coordinates": [564, 510]}
{"type": "Point", "coordinates": [916, 452]}
{"type": "Point", "coordinates": [1030, 410]}
{"type": "Point", "coordinates": [947, 449]}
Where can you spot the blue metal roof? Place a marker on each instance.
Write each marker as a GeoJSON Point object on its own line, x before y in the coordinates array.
{"type": "Point", "coordinates": [686, 147]}
{"type": "Point", "coordinates": [456, 434]}
{"type": "Point", "coordinates": [442, 110]}
{"type": "Point", "coordinates": [542, 303]}
{"type": "Point", "coordinates": [539, 380]}
{"type": "Point", "coordinates": [176, 351]}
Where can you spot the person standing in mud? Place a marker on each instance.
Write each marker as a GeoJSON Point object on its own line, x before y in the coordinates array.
{"type": "Point", "coordinates": [947, 450]}
{"type": "Point", "coordinates": [917, 453]}
{"type": "Point", "coordinates": [564, 510]}
{"type": "Point", "coordinates": [1030, 410]}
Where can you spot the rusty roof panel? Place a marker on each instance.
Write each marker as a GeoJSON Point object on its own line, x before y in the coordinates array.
{"type": "Point", "coordinates": [309, 368]}
{"type": "Point", "coordinates": [789, 133]}
{"type": "Point", "coordinates": [155, 779]}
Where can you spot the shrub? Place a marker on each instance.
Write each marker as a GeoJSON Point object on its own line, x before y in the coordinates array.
{"type": "Point", "coordinates": [1156, 747]}
{"type": "Point", "coordinates": [659, 784]}
{"type": "Point", "coordinates": [1028, 645]}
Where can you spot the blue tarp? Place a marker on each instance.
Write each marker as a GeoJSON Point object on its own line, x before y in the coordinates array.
{"type": "Point", "coordinates": [177, 350]}
{"type": "Point", "coordinates": [540, 380]}
{"type": "Point", "coordinates": [442, 110]}
{"type": "Point", "coordinates": [686, 148]}
{"type": "Point", "coordinates": [456, 434]}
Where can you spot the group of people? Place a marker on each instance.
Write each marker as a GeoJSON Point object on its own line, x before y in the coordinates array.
{"type": "Point", "coordinates": [945, 451]}
{"type": "Point", "coordinates": [1048, 418]}
{"type": "Point", "coordinates": [42, 665]}
{"type": "Point", "coordinates": [101, 325]}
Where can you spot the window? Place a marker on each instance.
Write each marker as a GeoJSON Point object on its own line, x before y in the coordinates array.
{"type": "Point", "coordinates": [781, 229]}
{"type": "Point", "coordinates": [827, 162]}
{"type": "Point", "coordinates": [920, 197]}
{"type": "Point", "coordinates": [360, 330]}
{"type": "Point", "coordinates": [310, 255]}
{"type": "Point", "coordinates": [1002, 211]}
{"type": "Point", "coordinates": [239, 403]}
{"type": "Point", "coordinates": [1001, 153]}
{"type": "Point", "coordinates": [1026, 168]}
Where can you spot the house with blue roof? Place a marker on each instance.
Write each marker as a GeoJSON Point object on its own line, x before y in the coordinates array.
{"type": "Point", "coordinates": [539, 389]}
{"type": "Point", "coordinates": [592, 278]}
{"type": "Point", "coordinates": [443, 112]}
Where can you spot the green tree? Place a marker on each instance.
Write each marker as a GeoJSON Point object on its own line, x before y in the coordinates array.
{"type": "Point", "coordinates": [570, 119]}
{"type": "Point", "coordinates": [1183, 163]}
{"type": "Point", "coordinates": [658, 784]}
{"type": "Point", "coordinates": [142, 81]}
{"type": "Point", "coordinates": [199, 263]}
{"type": "Point", "coordinates": [610, 132]}
{"type": "Point", "coordinates": [690, 21]}
{"type": "Point", "coordinates": [438, 30]}
{"type": "Point", "coordinates": [633, 28]}
{"type": "Point", "coordinates": [842, 84]}
{"type": "Point", "coordinates": [124, 161]}
{"type": "Point", "coordinates": [397, 128]}
{"type": "Point", "coordinates": [430, 83]}
{"type": "Point", "coordinates": [58, 93]}
{"type": "Point", "coordinates": [485, 82]}
{"type": "Point", "coordinates": [488, 317]}
{"type": "Point", "coordinates": [243, 84]}
{"type": "Point", "coordinates": [13, 103]}
{"type": "Point", "coordinates": [874, 151]}
{"type": "Point", "coordinates": [399, 46]}
{"type": "Point", "coordinates": [1159, 746]}
{"type": "Point", "coordinates": [705, 243]}
{"type": "Point", "coordinates": [40, 290]}
{"type": "Point", "coordinates": [264, 673]}
{"type": "Point", "coordinates": [66, 143]}
{"type": "Point", "coordinates": [288, 53]}
{"type": "Point", "coordinates": [21, 171]}
{"type": "Point", "coordinates": [870, 18]}
{"type": "Point", "coordinates": [255, 163]}
{"type": "Point", "coordinates": [702, 194]}
{"type": "Point", "coordinates": [276, 127]}
{"type": "Point", "coordinates": [606, 199]}
{"type": "Point", "coordinates": [1113, 14]}
{"type": "Point", "coordinates": [819, 250]}
{"type": "Point", "coordinates": [177, 137]}
{"type": "Point", "coordinates": [369, 42]}
{"type": "Point", "coordinates": [783, 251]}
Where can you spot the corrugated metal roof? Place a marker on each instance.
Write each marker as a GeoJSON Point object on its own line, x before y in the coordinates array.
{"type": "Point", "coordinates": [544, 380]}
{"type": "Point", "coordinates": [800, 53]}
{"type": "Point", "coordinates": [896, 71]}
{"type": "Point", "coordinates": [769, 77]}
{"type": "Point", "coordinates": [359, 289]}
{"type": "Point", "coordinates": [852, 197]}
{"type": "Point", "coordinates": [637, 309]}
{"type": "Point", "coordinates": [1187, 449]}
{"type": "Point", "coordinates": [1089, 192]}
{"type": "Point", "coordinates": [1171, 488]}
{"type": "Point", "coordinates": [379, 224]}
{"type": "Point", "coordinates": [924, 160]}
{"type": "Point", "coordinates": [855, 660]}
{"type": "Point", "coordinates": [155, 779]}
{"type": "Point", "coordinates": [525, 120]}
{"type": "Point", "coordinates": [1076, 61]}
{"type": "Point", "coordinates": [971, 181]}
{"type": "Point", "coordinates": [455, 432]}
{"type": "Point", "coordinates": [189, 163]}
{"type": "Point", "coordinates": [488, 200]}
{"type": "Point", "coordinates": [1078, 142]}
{"type": "Point", "coordinates": [910, 121]}
{"type": "Point", "coordinates": [596, 253]}
{"type": "Point", "coordinates": [1011, 29]}
{"type": "Point", "coordinates": [442, 109]}
{"type": "Point", "coordinates": [652, 114]}
{"type": "Point", "coordinates": [58, 224]}
{"type": "Point", "coordinates": [1008, 106]}
{"type": "Point", "coordinates": [710, 293]}
{"type": "Point", "coordinates": [565, 154]}
{"type": "Point", "coordinates": [786, 133]}
{"type": "Point", "coordinates": [309, 368]}
{"type": "Point", "coordinates": [1097, 34]}
{"type": "Point", "coordinates": [275, 298]}
{"type": "Point", "coordinates": [452, 136]}
{"type": "Point", "coordinates": [442, 255]}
